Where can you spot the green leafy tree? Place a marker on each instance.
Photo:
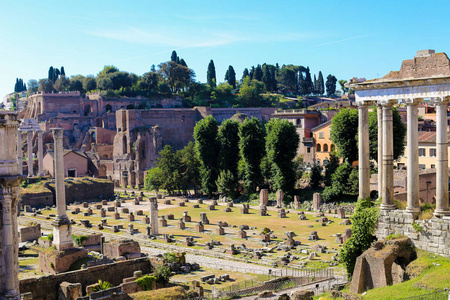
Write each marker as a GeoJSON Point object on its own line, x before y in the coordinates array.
{"type": "Point", "coordinates": [363, 227]}
{"type": "Point", "coordinates": [211, 74]}
{"type": "Point", "coordinates": [76, 83]}
{"type": "Point", "coordinates": [281, 147]}
{"type": "Point", "coordinates": [45, 86]}
{"type": "Point", "coordinates": [342, 83]}
{"type": "Point", "coordinates": [89, 83]}
{"type": "Point", "coordinates": [105, 83]}
{"type": "Point", "coordinates": [189, 167]}
{"type": "Point", "coordinates": [331, 167]}
{"type": "Point", "coordinates": [331, 85]}
{"type": "Point", "coordinates": [343, 133]}
{"type": "Point", "coordinates": [342, 184]}
{"type": "Point", "coordinates": [61, 84]}
{"type": "Point", "coordinates": [258, 73]}
{"type": "Point", "coordinates": [108, 70]}
{"type": "Point", "coordinates": [251, 148]}
{"type": "Point", "coordinates": [33, 85]}
{"type": "Point", "coordinates": [208, 147]}
{"type": "Point", "coordinates": [250, 93]}
{"type": "Point", "coordinates": [162, 274]}
{"type": "Point", "coordinates": [229, 156]}
{"type": "Point", "coordinates": [288, 80]}
{"type": "Point", "coordinates": [227, 183]}
{"type": "Point", "coordinates": [316, 176]}
{"type": "Point", "coordinates": [149, 81]}
{"type": "Point", "coordinates": [230, 77]}
{"type": "Point", "coordinates": [154, 179]}
{"type": "Point", "coordinates": [169, 164]}
{"type": "Point", "coordinates": [175, 75]}
{"type": "Point", "coordinates": [245, 74]}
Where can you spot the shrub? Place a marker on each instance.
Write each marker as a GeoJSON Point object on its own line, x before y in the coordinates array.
{"type": "Point", "coordinates": [146, 282]}
{"type": "Point", "coordinates": [163, 275]}
{"type": "Point", "coordinates": [170, 257]}
{"type": "Point", "coordinates": [79, 239]}
{"type": "Point", "coordinates": [363, 226]}
{"type": "Point", "coordinates": [102, 285]}
{"type": "Point", "coordinates": [316, 176]}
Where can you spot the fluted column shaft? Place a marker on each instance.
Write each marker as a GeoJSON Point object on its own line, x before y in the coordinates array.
{"type": "Point", "coordinates": [59, 173]}
{"type": "Point", "coordinates": [388, 155]}
{"type": "Point", "coordinates": [19, 151]}
{"type": "Point", "coordinates": [380, 149]}
{"type": "Point", "coordinates": [442, 207]}
{"type": "Point", "coordinates": [30, 152]}
{"type": "Point", "coordinates": [363, 154]}
{"type": "Point", "coordinates": [412, 158]}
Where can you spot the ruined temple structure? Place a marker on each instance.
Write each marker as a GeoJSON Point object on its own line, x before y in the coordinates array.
{"type": "Point", "coordinates": [121, 137]}
{"type": "Point", "coordinates": [426, 77]}
{"type": "Point", "coordinates": [10, 179]}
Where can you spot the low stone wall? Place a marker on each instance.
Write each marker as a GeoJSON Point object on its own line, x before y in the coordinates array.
{"type": "Point", "coordinates": [29, 234]}
{"type": "Point", "coordinates": [434, 235]}
{"type": "Point", "coordinates": [47, 287]}
{"type": "Point", "coordinates": [37, 199]}
{"type": "Point", "coordinates": [86, 190]}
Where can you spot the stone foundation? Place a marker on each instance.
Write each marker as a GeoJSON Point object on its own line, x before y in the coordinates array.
{"type": "Point", "coordinates": [53, 261]}
{"type": "Point", "coordinates": [434, 235]}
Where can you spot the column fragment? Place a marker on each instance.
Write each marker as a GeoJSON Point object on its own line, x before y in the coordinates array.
{"type": "Point", "coordinates": [412, 157]}
{"type": "Point", "coordinates": [442, 208]}
{"type": "Point", "coordinates": [40, 154]}
{"type": "Point", "coordinates": [30, 152]}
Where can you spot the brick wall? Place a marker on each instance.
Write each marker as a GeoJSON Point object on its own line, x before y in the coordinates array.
{"type": "Point", "coordinates": [434, 236]}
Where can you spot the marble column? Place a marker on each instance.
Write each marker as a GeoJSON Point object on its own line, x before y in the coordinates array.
{"type": "Point", "coordinates": [10, 179]}
{"type": "Point", "coordinates": [380, 149]}
{"type": "Point", "coordinates": [388, 155]}
{"type": "Point", "coordinates": [40, 154]}
{"type": "Point", "coordinates": [363, 165]}
{"type": "Point", "coordinates": [62, 231]}
{"type": "Point", "coordinates": [412, 157]}
{"type": "Point", "coordinates": [442, 207]}
{"type": "Point", "coordinates": [19, 151]}
{"type": "Point", "coordinates": [30, 152]}
{"type": "Point", "coordinates": [153, 216]}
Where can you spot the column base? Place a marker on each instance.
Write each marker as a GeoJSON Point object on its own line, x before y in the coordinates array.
{"type": "Point", "coordinates": [441, 213]}
{"type": "Point", "coordinates": [387, 206]}
{"type": "Point", "coordinates": [414, 211]}
{"type": "Point", "coordinates": [11, 295]}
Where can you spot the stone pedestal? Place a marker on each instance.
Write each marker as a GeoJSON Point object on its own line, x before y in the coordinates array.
{"type": "Point", "coordinates": [280, 197]}
{"type": "Point", "coordinates": [163, 221]}
{"type": "Point", "coordinates": [245, 208]}
{"type": "Point", "coordinates": [186, 217]}
{"type": "Point", "coordinates": [199, 227]}
{"type": "Point", "coordinates": [341, 213]}
{"type": "Point", "coordinates": [220, 230]}
{"type": "Point", "coordinates": [263, 197]}
{"type": "Point", "coordinates": [281, 213]}
{"type": "Point", "coordinates": [317, 199]}
{"type": "Point", "coordinates": [242, 234]}
{"type": "Point", "coordinates": [211, 207]}
{"type": "Point", "coordinates": [204, 218]}
{"type": "Point", "coordinates": [181, 224]}
{"type": "Point", "coordinates": [296, 202]}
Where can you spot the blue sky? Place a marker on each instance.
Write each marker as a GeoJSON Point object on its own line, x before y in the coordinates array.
{"type": "Point", "coordinates": [343, 38]}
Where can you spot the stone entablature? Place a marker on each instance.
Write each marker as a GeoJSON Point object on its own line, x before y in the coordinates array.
{"type": "Point", "coordinates": [434, 235]}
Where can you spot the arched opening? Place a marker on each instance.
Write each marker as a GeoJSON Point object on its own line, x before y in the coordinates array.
{"type": "Point", "coordinates": [102, 171]}
{"type": "Point", "coordinates": [39, 111]}
{"type": "Point", "coordinates": [319, 148]}
{"type": "Point", "coordinates": [124, 142]}
{"type": "Point", "coordinates": [142, 106]}
{"type": "Point", "coordinates": [99, 123]}
{"type": "Point", "coordinates": [325, 148]}
{"type": "Point", "coordinates": [105, 156]}
{"type": "Point", "coordinates": [108, 108]}
{"type": "Point", "coordinates": [88, 109]}
{"type": "Point", "coordinates": [130, 106]}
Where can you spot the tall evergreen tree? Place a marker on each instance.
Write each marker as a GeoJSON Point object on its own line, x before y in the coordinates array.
{"type": "Point", "coordinates": [321, 84]}
{"type": "Point", "coordinates": [211, 74]}
{"type": "Point", "coordinates": [309, 83]}
{"type": "Point", "coordinates": [331, 85]}
{"type": "Point", "coordinates": [258, 73]}
{"type": "Point", "coordinates": [230, 77]}
{"type": "Point", "coordinates": [315, 84]}
{"type": "Point", "coordinates": [51, 73]}
{"type": "Point", "coordinates": [251, 147]}
{"type": "Point", "coordinates": [205, 135]}
{"type": "Point", "coordinates": [252, 73]}
{"type": "Point", "coordinates": [174, 56]}
{"type": "Point", "coordinates": [245, 74]}
{"type": "Point", "coordinates": [183, 63]}
{"type": "Point", "coordinates": [63, 73]}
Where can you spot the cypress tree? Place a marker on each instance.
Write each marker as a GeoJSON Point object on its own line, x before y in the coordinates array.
{"type": "Point", "coordinates": [230, 76]}
{"type": "Point", "coordinates": [321, 84]}
{"type": "Point", "coordinates": [308, 82]}
{"type": "Point", "coordinates": [63, 73]}
{"type": "Point", "coordinates": [174, 56]}
{"type": "Point", "coordinates": [211, 74]}
{"type": "Point", "coordinates": [252, 73]}
{"type": "Point", "coordinates": [51, 74]}
{"type": "Point", "coordinates": [315, 85]}
{"type": "Point", "coordinates": [183, 63]}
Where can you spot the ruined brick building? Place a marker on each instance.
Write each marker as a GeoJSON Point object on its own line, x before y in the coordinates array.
{"type": "Point", "coordinates": [120, 137]}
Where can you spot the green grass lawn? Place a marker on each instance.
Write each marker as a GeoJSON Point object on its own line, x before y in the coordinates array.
{"type": "Point", "coordinates": [432, 271]}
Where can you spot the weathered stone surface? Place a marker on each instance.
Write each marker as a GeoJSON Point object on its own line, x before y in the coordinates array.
{"type": "Point", "coordinates": [375, 267]}
{"type": "Point", "coordinates": [317, 200]}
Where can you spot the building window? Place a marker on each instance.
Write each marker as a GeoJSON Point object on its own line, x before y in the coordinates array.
{"type": "Point", "coordinates": [422, 166]}
{"type": "Point", "coordinates": [433, 152]}
{"type": "Point", "coordinates": [321, 135]}
{"type": "Point", "coordinates": [308, 150]}
{"type": "Point", "coordinates": [319, 148]}
{"type": "Point", "coordinates": [325, 148]}
{"type": "Point", "coordinates": [433, 166]}
{"type": "Point", "coordinates": [421, 151]}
